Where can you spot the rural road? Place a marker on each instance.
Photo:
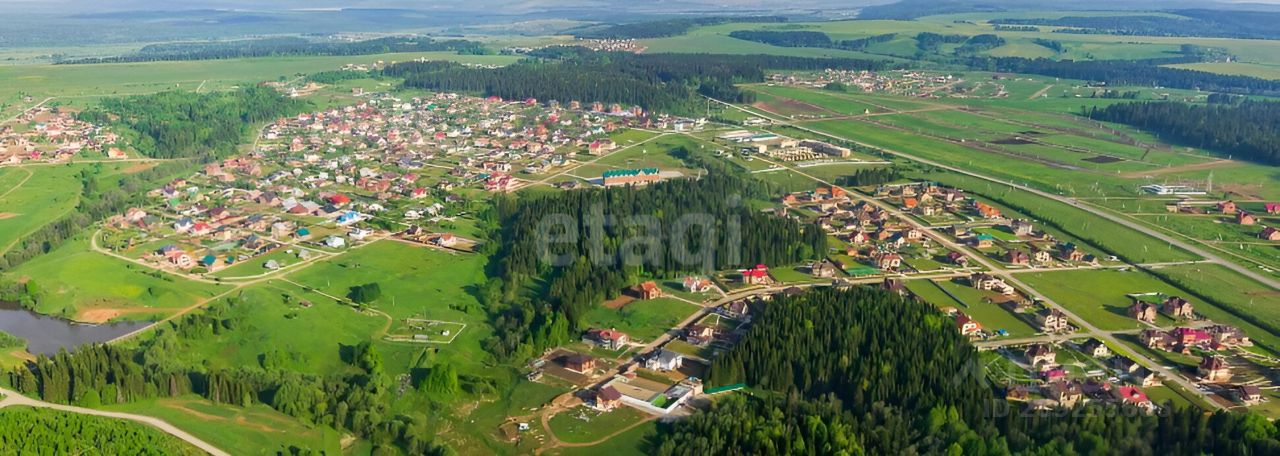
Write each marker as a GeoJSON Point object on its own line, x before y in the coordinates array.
{"type": "Point", "coordinates": [12, 398]}
{"type": "Point", "coordinates": [1012, 279]}
{"type": "Point", "coordinates": [1270, 282]}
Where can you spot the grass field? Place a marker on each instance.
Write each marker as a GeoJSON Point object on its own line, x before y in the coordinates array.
{"type": "Point", "coordinates": [581, 425]}
{"type": "Point", "coordinates": [33, 196]}
{"type": "Point", "coordinates": [88, 81]}
{"type": "Point", "coordinates": [1242, 295]}
{"type": "Point", "coordinates": [1257, 70]}
{"type": "Point", "coordinates": [237, 430]}
{"type": "Point", "coordinates": [992, 316]}
{"type": "Point", "coordinates": [634, 442]}
{"type": "Point", "coordinates": [1099, 295]}
{"type": "Point", "coordinates": [642, 319]}
{"type": "Point", "coordinates": [76, 282]}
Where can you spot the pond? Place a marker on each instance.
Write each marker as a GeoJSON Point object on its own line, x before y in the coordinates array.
{"type": "Point", "coordinates": [46, 335]}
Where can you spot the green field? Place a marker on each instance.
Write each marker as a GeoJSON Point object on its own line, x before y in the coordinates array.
{"type": "Point", "coordinates": [992, 316]}
{"type": "Point", "coordinates": [237, 430]}
{"type": "Point", "coordinates": [581, 425]}
{"type": "Point", "coordinates": [75, 281]}
{"type": "Point", "coordinates": [33, 196]}
{"type": "Point", "coordinates": [642, 319]}
{"type": "Point", "coordinates": [1099, 295]}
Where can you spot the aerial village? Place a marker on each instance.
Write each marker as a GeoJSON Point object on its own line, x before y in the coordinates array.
{"type": "Point", "coordinates": [54, 134]}
{"type": "Point", "coordinates": [320, 183]}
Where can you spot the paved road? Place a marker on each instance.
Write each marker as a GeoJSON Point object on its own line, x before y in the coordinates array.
{"type": "Point", "coordinates": [1212, 258]}
{"type": "Point", "coordinates": [12, 398]}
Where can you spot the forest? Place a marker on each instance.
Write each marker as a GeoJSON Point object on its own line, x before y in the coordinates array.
{"type": "Point", "coordinates": [665, 27]}
{"type": "Point", "coordinates": [1208, 23]}
{"type": "Point", "coordinates": [192, 125]}
{"type": "Point", "coordinates": [283, 46]}
{"type": "Point", "coordinates": [1128, 72]}
{"type": "Point", "coordinates": [656, 82]}
{"type": "Point", "coordinates": [107, 374]}
{"type": "Point", "coordinates": [42, 431]}
{"type": "Point", "coordinates": [1248, 130]}
{"type": "Point", "coordinates": [794, 38]}
{"type": "Point", "coordinates": [866, 371]}
{"type": "Point", "coordinates": [584, 261]}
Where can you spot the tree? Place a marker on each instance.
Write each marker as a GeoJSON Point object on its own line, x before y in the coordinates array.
{"type": "Point", "coordinates": [367, 293]}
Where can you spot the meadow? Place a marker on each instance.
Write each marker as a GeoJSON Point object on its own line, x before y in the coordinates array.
{"type": "Point", "coordinates": [78, 283]}
{"type": "Point", "coordinates": [644, 320]}
{"type": "Point", "coordinates": [32, 196]}
{"type": "Point", "coordinates": [237, 430]}
{"type": "Point", "coordinates": [1098, 295]}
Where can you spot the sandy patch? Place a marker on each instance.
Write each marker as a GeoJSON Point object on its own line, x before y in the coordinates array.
{"type": "Point", "coordinates": [103, 315]}
{"type": "Point", "coordinates": [138, 167]}
{"type": "Point", "coordinates": [619, 302]}
{"type": "Point", "coordinates": [8, 215]}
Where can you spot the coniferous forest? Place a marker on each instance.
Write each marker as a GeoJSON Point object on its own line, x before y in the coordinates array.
{"type": "Point", "coordinates": [657, 82]}
{"type": "Point", "coordinates": [866, 371]}
{"type": "Point", "coordinates": [638, 241]}
{"type": "Point", "coordinates": [42, 431]}
{"type": "Point", "coordinates": [1249, 130]}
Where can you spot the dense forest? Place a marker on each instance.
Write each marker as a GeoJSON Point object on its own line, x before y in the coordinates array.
{"type": "Point", "coordinates": [658, 82]}
{"type": "Point", "coordinates": [1248, 130]}
{"type": "Point", "coordinates": [1127, 72]}
{"type": "Point", "coordinates": [1211, 23]}
{"type": "Point", "coordinates": [186, 124]}
{"type": "Point", "coordinates": [106, 374]}
{"type": "Point", "coordinates": [866, 371]}
{"type": "Point", "coordinates": [46, 432]}
{"type": "Point", "coordinates": [930, 42]}
{"type": "Point", "coordinates": [665, 27]}
{"type": "Point", "coordinates": [283, 46]}
{"type": "Point", "coordinates": [798, 38]}
{"type": "Point", "coordinates": [671, 228]}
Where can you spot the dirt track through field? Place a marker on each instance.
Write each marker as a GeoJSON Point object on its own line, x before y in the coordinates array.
{"type": "Point", "coordinates": [1178, 169]}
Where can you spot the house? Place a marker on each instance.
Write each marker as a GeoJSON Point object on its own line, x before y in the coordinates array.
{"type": "Point", "coordinates": [579, 363]}
{"type": "Point", "coordinates": [611, 339]}
{"type": "Point", "coordinates": [699, 334]}
{"type": "Point", "coordinates": [1041, 355]}
{"type": "Point", "coordinates": [1023, 227]}
{"type": "Point", "coordinates": [1228, 335]}
{"type": "Point", "coordinates": [1017, 257]}
{"type": "Point", "coordinates": [1177, 307]}
{"type": "Point", "coordinates": [444, 240]}
{"type": "Point", "coordinates": [1017, 393]}
{"type": "Point", "coordinates": [1245, 218]}
{"type": "Point", "coordinates": [1227, 207]}
{"type": "Point", "coordinates": [1247, 394]}
{"type": "Point", "coordinates": [737, 309]}
{"type": "Point", "coordinates": [1214, 369]}
{"type": "Point", "coordinates": [1269, 234]}
{"type": "Point", "coordinates": [647, 290]}
{"type": "Point", "coordinates": [983, 240]}
{"type": "Point", "coordinates": [1144, 377]}
{"type": "Point", "coordinates": [1096, 348]}
{"type": "Point", "coordinates": [180, 259]}
{"type": "Point", "coordinates": [1156, 339]}
{"type": "Point", "coordinates": [1143, 311]}
{"type": "Point", "coordinates": [335, 242]}
{"type": "Point", "coordinates": [758, 275]}
{"type": "Point", "coordinates": [958, 259]}
{"type": "Point", "coordinates": [697, 284]}
{"type": "Point", "coordinates": [895, 285]}
{"type": "Point", "coordinates": [607, 398]}
{"type": "Point", "coordinates": [967, 325]}
{"type": "Point", "coordinates": [1052, 321]}
{"type": "Point", "coordinates": [986, 211]}
{"type": "Point", "coordinates": [823, 269]}
{"type": "Point", "coordinates": [664, 360]}
{"type": "Point", "coordinates": [889, 261]}
{"type": "Point", "coordinates": [1272, 208]}
{"type": "Point", "coordinates": [1190, 336]}
{"type": "Point", "coordinates": [1066, 393]}
{"type": "Point", "coordinates": [988, 282]}
{"type": "Point", "coordinates": [1041, 256]}
{"type": "Point", "coordinates": [1131, 395]}
{"type": "Point", "coordinates": [1070, 252]}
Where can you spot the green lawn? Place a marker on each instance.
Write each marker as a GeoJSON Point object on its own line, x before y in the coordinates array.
{"type": "Point", "coordinates": [634, 442]}
{"type": "Point", "coordinates": [33, 196]}
{"type": "Point", "coordinates": [642, 319]}
{"type": "Point", "coordinates": [992, 316]}
{"type": "Point", "coordinates": [582, 425]}
{"type": "Point", "coordinates": [1099, 295]}
{"type": "Point", "coordinates": [74, 279]}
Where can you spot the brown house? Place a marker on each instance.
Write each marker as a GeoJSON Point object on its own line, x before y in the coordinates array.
{"type": "Point", "coordinates": [1017, 257]}
{"type": "Point", "coordinates": [1245, 218]}
{"type": "Point", "coordinates": [1142, 311]}
{"type": "Point", "coordinates": [647, 290]}
{"type": "Point", "coordinates": [579, 363]}
{"type": "Point", "coordinates": [1214, 369]}
{"type": "Point", "coordinates": [1052, 321]}
{"type": "Point", "coordinates": [608, 398]}
{"type": "Point", "coordinates": [1177, 308]}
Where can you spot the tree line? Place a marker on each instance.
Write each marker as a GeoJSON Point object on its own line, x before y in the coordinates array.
{"type": "Point", "coordinates": [283, 46]}
{"type": "Point", "coordinates": [1210, 23]}
{"type": "Point", "coordinates": [1248, 130]}
{"type": "Point", "coordinates": [666, 27]}
{"type": "Point", "coordinates": [658, 82]}
{"type": "Point", "coordinates": [594, 262]}
{"type": "Point", "coordinates": [866, 371]}
{"type": "Point", "coordinates": [808, 38]}
{"type": "Point", "coordinates": [1130, 72]}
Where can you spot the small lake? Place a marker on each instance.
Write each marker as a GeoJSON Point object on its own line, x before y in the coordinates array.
{"type": "Point", "coordinates": [46, 335]}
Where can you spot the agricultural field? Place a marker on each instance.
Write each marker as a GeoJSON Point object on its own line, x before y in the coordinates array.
{"type": "Point", "coordinates": [1099, 295]}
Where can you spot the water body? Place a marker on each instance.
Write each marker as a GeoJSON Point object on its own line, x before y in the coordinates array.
{"type": "Point", "coordinates": [46, 335]}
